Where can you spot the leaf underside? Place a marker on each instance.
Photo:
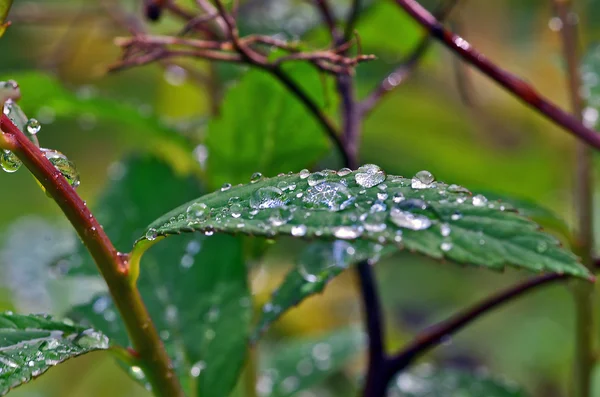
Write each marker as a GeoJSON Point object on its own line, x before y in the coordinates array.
{"type": "Point", "coordinates": [31, 344]}
{"type": "Point", "coordinates": [431, 218]}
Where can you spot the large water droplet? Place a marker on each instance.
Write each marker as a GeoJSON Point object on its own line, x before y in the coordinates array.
{"type": "Point", "coordinates": [33, 126]}
{"type": "Point", "coordinates": [408, 220]}
{"type": "Point", "coordinates": [316, 178]}
{"type": "Point", "coordinates": [267, 197]}
{"type": "Point", "coordinates": [331, 196]}
{"type": "Point", "coordinates": [479, 200]}
{"type": "Point", "coordinates": [369, 175]}
{"type": "Point", "coordinates": [196, 211]}
{"type": "Point", "coordinates": [257, 176]}
{"type": "Point", "coordinates": [304, 174]}
{"type": "Point", "coordinates": [9, 161]}
{"type": "Point", "coordinates": [63, 165]}
{"type": "Point", "coordinates": [422, 180]}
{"type": "Point", "coordinates": [151, 234]}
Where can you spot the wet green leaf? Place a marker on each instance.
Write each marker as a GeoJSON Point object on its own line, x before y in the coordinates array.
{"type": "Point", "coordinates": [316, 266]}
{"type": "Point", "coordinates": [43, 97]}
{"type": "Point", "coordinates": [30, 345]}
{"type": "Point", "coordinates": [425, 380]}
{"type": "Point", "coordinates": [262, 126]}
{"type": "Point", "coordinates": [301, 364]}
{"type": "Point", "coordinates": [419, 214]}
{"type": "Point", "coordinates": [194, 287]}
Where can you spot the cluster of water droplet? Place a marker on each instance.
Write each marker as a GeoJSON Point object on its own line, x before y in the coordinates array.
{"type": "Point", "coordinates": [9, 162]}
{"type": "Point", "coordinates": [31, 358]}
{"type": "Point", "coordinates": [342, 204]}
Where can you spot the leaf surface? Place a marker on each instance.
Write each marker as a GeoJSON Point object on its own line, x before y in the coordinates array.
{"type": "Point", "coordinates": [419, 214]}
{"type": "Point", "coordinates": [30, 345]}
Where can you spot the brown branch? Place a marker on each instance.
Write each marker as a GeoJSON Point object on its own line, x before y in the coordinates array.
{"type": "Point", "coordinates": [112, 265]}
{"type": "Point", "coordinates": [436, 334]}
{"type": "Point", "coordinates": [510, 82]}
{"type": "Point", "coordinates": [407, 66]}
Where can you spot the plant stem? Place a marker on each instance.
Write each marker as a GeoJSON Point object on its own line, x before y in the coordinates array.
{"type": "Point", "coordinates": [112, 265]}
{"type": "Point", "coordinates": [436, 334]}
{"type": "Point", "coordinates": [510, 82]}
{"type": "Point", "coordinates": [583, 194]}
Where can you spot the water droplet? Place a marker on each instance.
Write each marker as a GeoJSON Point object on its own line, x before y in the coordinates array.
{"type": "Point", "coordinates": [344, 171]}
{"type": "Point", "coordinates": [458, 189]}
{"type": "Point", "coordinates": [33, 126]}
{"type": "Point", "coordinates": [330, 196]}
{"type": "Point", "coordinates": [369, 175]}
{"type": "Point", "coordinates": [267, 197]}
{"type": "Point", "coordinates": [257, 176]}
{"type": "Point", "coordinates": [398, 196]}
{"type": "Point", "coordinates": [422, 180]}
{"type": "Point", "coordinates": [151, 234]}
{"type": "Point", "coordinates": [374, 222]}
{"type": "Point", "coordinates": [280, 216]}
{"type": "Point", "coordinates": [63, 165]}
{"type": "Point", "coordinates": [318, 257]}
{"type": "Point", "coordinates": [408, 220]}
{"type": "Point", "coordinates": [446, 246]}
{"type": "Point", "coordinates": [316, 178]}
{"type": "Point", "coordinates": [456, 216]}
{"type": "Point", "coordinates": [304, 174]}
{"type": "Point", "coordinates": [347, 232]}
{"type": "Point", "coordinates": [445, 229]}
{"type": "Point", "coordinates": [196, 211]}
{"type": "Point", "coordinates": [479, 200]}
{"type": "Point", "coordinates": [236, 210]}
{"type": "Point", "coordinates": [299, 230]}
{"type": "Point", "coordinates": [9, 161]}
{"type": "Point", "coordinates": [542, 247]}
{"type": "Point", "coordinates": [225, 187]}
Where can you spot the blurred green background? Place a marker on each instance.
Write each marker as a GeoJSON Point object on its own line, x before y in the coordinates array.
{"type": "Point", "coordinates": [447, 119]}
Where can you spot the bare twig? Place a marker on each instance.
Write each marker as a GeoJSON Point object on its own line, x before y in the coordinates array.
{"type": "Point", "coordinates": [513, 84]}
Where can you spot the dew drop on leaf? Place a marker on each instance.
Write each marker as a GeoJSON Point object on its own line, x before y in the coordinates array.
{"type": "Point", "coordinates": [369, 175]}
{"type": "Point", "coordinates": [408, 220]}
{"type": "Point", "coordinates": [445, 229]}
{"type": "Point", "coordinates": [347, 232]}
{"type": "Point", "coordinates": [225, 187]}
{"type": "Point", "coordinates": [344, 171]}
{"type": "Point", "coordinates": [299, 230]}
{"type": "Point", "coordinates": [257, 176]}
{"type": "Point", "coordinates": [267, 197]}
{"type": "Point", "coordinates": [422, 180]}
{"type": "Point", "coordinates": [446, 246]}
{"type": "Point", "coordinates": [151, 234]}
{"type": "Point", "coordinates": [479, 200]}
{"type": "Point", "coordinates": [330, 196]}
{"type": "Point", "coordinates": [304, 174]}
{"type": "Point", "coordinates": [316, 178]}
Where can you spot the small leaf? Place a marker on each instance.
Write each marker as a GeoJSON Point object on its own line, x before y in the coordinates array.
{"type": "Point", "coordinates": [425, 380]}
{"type": "Point", "coordinates": [320, 263]}
{"type": "Point", "coordinates": [194, 287]}
{"type": "Point", "coordinates": [301, 364]}
{"type": "Point", "coordinates": [30, 345]}
{"type": "Point", "coordinates": [420, 214]}
{"type": "Point", "coordinates": [263, 126]}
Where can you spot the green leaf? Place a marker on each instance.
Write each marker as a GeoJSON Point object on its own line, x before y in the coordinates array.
{"type": "Point", "coordinates": [537, 213]}
{"type": "Point", "coordinates": [264, 127]}
{"type": "Point", "coordinates": [194, 287]}
{"type": "Point", "coordinates": [302, 364]}
{"type": "Point", "coordinates": [425, 380]}
{"type": "Point", "coordinates": [30, 345]}
{"type": "Point", "coordinates": [43, 95]}
{"type": "Point", "coordinates": [419, 214]}
{"type": "Point", "coordinates": [317, 265]}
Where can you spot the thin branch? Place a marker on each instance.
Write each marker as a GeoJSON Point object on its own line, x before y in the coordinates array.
{"type": "Point", "coordinates": [112, 265]}
{"type": "Point", "coordinates": [328, 18]}
{"type": "Point", "coordinates": [436, 334]}
{"type": "Point", "coordinates": [513, 84]}
{"type": "Point", "coordinates": [407, 66]}
{"type": "Point", "coordinates": [352, 19]}
{"type": "Point", "coordinates": [373, 319]}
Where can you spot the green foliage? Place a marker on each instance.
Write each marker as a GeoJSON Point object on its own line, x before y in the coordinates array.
{"type": "Point", "coordinates": [30, 345]}
{"type": "Point", "coordinates": [44, 97]}
{"type": "Point", "coordinates": [318, 264]}
{"type": "Point", "coordinates": [419, 214]}
{"type": "Point", "coordinates": [4, 9]}
{"type": "Point", "coordinates": [299, 365]}
{"type": "Point", "coordinates": [427, 381]}
{"type": "Point", "coordinates": [262, 126]}
{"type": "Point", "coordinates": [194, 286]}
